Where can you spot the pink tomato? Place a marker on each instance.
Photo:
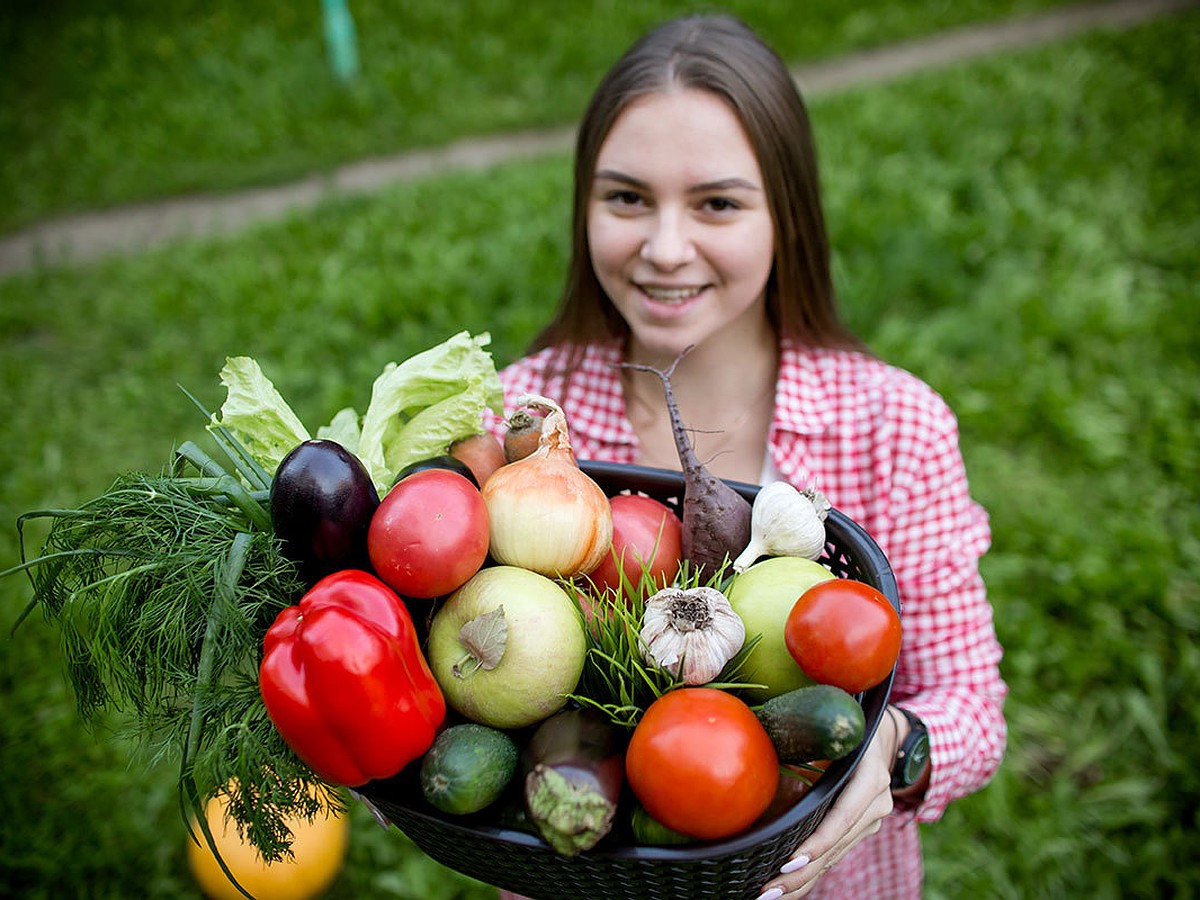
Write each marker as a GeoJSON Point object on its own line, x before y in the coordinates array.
{"type": "Point", "coordinates": [429, 535]}
{"type": "Point", "coordinates": [647, 532]}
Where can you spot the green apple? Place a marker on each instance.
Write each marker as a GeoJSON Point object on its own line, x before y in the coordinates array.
{"type": "Point", "coordinates": [763, 595]}
{"type": "Point", "coordinates": [507, 647]}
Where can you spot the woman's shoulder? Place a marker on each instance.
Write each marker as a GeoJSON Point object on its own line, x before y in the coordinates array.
{"type": "Point", "coordinates": [853, 386]}
{"type": "Point", "coordinates": [539, 371]}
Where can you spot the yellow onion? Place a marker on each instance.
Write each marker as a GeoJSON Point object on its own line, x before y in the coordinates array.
{"type": "Point", "coordinates": [544, 514]}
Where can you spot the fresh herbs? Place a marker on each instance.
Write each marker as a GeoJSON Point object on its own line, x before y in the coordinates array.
{"type": "Point", "coordinates": [162, 587]}
{"type": "Point", "coordinates": [616, 679]}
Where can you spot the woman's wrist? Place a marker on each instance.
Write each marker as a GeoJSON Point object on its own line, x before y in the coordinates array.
{"type": "Point", "coordinates": [900, 729]}
{"type": "Point", "coordinates": [910, 758]}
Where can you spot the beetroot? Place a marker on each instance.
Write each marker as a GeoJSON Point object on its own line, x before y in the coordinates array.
{"type": "Point", "coordinates": [716, 518]}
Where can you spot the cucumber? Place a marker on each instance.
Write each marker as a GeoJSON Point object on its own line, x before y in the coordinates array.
{"type": "Point", "coordinates": [467, 768]}
{"type": "Point", "coordinates": [819, 721]}
{"type": "Point", "coordinates": [649, 832]}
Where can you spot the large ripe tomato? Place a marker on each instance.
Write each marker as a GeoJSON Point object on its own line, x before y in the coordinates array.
{"type": "Point", "coordinates": [701, 763]}
{"type": "Point", "coordinates": [645, 531]}
{"type": "Point", "coordinates": [429, 535]}
{"type": "Point", "coordinates": [845, 633]}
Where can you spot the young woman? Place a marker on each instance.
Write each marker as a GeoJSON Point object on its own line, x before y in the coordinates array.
{"type": "Point", "coordinates": [698, 223]}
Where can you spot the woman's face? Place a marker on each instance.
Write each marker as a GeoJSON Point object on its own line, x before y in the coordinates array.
{"type": "Point", "coordinates": [679, 227]}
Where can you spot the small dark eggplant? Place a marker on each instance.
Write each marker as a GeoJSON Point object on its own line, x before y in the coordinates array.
{"type": "Point", "coordinates": [322, 500]}
{"type": "Point", "coordinates": [445, 461]}
{"type": "Point", "coordinates": [575, 769]}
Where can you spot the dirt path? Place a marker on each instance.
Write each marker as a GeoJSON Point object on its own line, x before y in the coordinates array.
{"type": "Point", "coordinates": [90, 236]}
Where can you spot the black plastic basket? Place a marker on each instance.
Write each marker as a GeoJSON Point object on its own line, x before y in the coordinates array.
{"type": "Point", "coordinates": [735, 868]}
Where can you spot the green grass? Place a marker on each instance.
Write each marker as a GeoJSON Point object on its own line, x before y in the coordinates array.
{"type": "Point", "coordinates": [1024, 237]}
{"type": "Point", "coordinates": [103, 104]}
{"type": "Point", "coordinates": [1020, 232]}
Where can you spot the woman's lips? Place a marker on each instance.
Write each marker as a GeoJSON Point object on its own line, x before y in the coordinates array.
{"type": "Point", "coordinates": [661, 294]}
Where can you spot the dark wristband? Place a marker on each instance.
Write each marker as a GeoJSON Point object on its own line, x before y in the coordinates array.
{"type": "Point", "coordinates": [912, 758]}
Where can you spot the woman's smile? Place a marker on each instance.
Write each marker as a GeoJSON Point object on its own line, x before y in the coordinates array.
{"type": "Point", "coordinates": [679, 228]}
{"type": "Point", "coordinates": [670, 294]}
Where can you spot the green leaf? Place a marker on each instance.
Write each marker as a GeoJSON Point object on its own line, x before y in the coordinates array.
{"type": "Point", "coordinates": [257, 413]}
{"type": "Point", "coordinates": [418, 407]}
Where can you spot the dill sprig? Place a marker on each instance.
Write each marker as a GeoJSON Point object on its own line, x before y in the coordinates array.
{"type": "Point", "coordinates": [616, 678]}
{"type": "Point", "coordinates": [162, 588]}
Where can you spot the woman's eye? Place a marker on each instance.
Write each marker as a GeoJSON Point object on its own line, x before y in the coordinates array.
{"type": "Point", "coordinates": [720, 204]}
{"type": "Point", "coordinates": [623, 198]}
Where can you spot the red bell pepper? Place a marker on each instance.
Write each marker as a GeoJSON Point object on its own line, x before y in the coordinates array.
{"type": "Point", "coordinates": [344, 680]}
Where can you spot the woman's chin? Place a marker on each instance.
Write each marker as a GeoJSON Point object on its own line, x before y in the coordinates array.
{"type": "Point", "coordinates": [659, 350]}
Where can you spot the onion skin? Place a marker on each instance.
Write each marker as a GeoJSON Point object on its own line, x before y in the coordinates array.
{"type": "Point", "coordinates": [544, 513]}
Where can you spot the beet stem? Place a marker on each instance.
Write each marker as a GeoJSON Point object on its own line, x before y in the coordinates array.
{"type": "Point", "coordinates": [683, 444]}
{"type": "Point", "coordinates": [716, 518]}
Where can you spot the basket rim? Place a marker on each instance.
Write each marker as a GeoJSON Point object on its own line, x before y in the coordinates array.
{"type": "Point", "coordinates": [868, 557]}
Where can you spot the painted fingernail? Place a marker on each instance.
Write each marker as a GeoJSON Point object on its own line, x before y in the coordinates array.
{"type": "Point", "coordinates": [771, 894]}
{"type": "Point", "coordinates": [793, 864]}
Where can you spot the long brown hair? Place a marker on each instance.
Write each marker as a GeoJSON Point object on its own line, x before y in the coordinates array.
{"type": "Point", "coordinates": [720, 55]}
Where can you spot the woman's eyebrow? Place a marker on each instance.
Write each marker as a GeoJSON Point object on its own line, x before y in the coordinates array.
{"type": "Point", "coordinates": [724, 184]}
{"type": "Point", "coordinates": [614, 175]}
{"type": "Point", "coordinates": [721, 184]}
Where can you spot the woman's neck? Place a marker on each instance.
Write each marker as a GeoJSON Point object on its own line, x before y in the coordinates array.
{"type": "Point", "coordinates": [726, 402]}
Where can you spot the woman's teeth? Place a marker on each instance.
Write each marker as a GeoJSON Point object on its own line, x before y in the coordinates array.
{"type": "Point", "coordinates": [671, 295]}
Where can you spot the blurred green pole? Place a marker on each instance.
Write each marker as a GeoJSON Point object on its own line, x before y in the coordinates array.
{"type": "Point", "coordinates": [340, 39]}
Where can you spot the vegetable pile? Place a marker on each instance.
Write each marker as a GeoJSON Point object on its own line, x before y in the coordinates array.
{"type": "Point", "coordinates": [406, 603]}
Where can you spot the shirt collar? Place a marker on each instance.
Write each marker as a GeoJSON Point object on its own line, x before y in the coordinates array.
{"type": "Point", "coordinates": [804, 402]}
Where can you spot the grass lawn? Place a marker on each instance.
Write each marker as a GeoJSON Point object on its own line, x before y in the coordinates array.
{"type": "Point", "coordinates": [1020, 232]}
{"type": "Point", "coordinates": [107, 103]}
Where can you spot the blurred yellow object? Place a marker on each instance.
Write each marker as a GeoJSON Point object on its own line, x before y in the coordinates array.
{"type": "Point", "coordinates": [319, 847]}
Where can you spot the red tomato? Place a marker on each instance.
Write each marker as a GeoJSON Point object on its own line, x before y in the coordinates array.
{"type": "Point", "coordinates": [701, 763]}
{"type": "Point", "coordinates": [643, 530]}
{"type": "Point", "coordinates": [794, 782]}
{"type": "Point", "coordinates": [429, 534]}
{"type": "Point", "coordinates": [844, 633]}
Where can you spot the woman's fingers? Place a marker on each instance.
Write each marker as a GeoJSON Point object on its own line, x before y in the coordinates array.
{"type": "Point", "coordinates": [857, 813]}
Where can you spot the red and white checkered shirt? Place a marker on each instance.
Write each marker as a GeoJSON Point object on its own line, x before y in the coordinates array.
{"type": "Point", "coordinates": [883, 447]}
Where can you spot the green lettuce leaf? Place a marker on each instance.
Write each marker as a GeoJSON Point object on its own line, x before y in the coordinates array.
{"type": "Point", "coordinates": [257, 413]}
{"type": "Point", "coordinates": [418, 407]}
{"type": "Point", "coordinates": [344, 428]}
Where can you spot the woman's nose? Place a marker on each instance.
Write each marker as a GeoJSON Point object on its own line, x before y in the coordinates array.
{"type": "Point", "coordinates": [668, 244]}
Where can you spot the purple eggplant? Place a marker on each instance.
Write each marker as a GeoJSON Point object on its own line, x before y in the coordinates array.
{"type": "Point", "coordinates": [445, 461]}
{"type": "Point", "coordinates": [322, 500]}
{"type": "Point", "coordinates": [575, 769]}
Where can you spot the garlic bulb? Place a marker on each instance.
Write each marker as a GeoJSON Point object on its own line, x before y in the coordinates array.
{"type": "Point", "coordinates": [785, 522]}
{"type": "Point", "coordinates": [694, 630]}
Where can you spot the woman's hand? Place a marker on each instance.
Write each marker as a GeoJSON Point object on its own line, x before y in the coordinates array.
{"type": "Point", "coordinates": [858, 812]}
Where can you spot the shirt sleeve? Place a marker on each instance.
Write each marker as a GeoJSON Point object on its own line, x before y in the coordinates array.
{"type": "Point", "coordinates": [948, 674]}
